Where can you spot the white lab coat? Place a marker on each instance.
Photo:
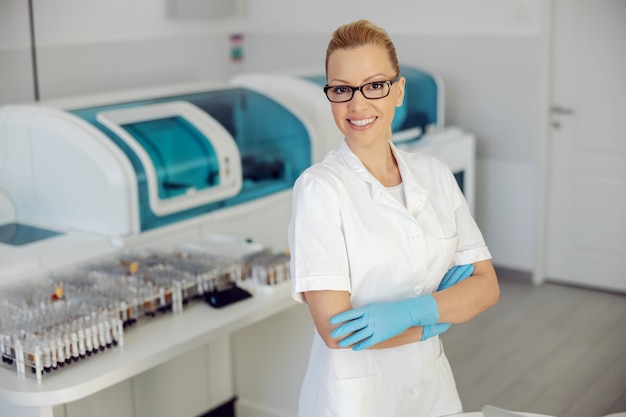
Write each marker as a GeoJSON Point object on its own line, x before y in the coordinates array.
{"type": "Point", "coordinates": [348, 233]}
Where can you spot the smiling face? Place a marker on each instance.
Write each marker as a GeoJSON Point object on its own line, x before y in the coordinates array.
{"type": "Point", "coordinates": [364, 122]}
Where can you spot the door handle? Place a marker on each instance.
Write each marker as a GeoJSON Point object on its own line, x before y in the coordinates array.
{"type": "Point", "coordinates": [556, 109]}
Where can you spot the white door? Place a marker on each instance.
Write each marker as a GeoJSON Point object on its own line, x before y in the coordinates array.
{"type": "Point", "coordinates": [586, 232]}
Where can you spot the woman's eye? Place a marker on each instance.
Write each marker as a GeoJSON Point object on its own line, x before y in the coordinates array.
{"type": "Point", "coordinates": [341, 90]}
{"type": "Point", "coordinates": [375, 86]}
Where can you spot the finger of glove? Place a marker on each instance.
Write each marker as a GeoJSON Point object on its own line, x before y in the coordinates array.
{"type": "Point", "coordinates": [456, 274]}
{"type": "Point", "coordinates": [464, 271]}
{"type": "Point", "coordinates": [447, 277]}
{"type": "Point", "coordinates": [461, 272]}
{"type": "Point", "coordinates": [346, 316]}
{"type": "Point", "coordinates": [349, 327]}
{"type": "Point", "coordinates": [356, 337]}
{"type": "Point", "coordinates": [367, 343]}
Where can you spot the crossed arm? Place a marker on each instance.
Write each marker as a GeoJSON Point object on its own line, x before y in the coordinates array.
{"type": "Point", "coordinates": [457, 304]}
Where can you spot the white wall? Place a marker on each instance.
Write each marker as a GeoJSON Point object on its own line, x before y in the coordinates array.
{"type": "Point", "coordinates": [98, 46]}
{"type": "Point", "coordinates": [16, 83]}
{"type": "Point", "coordinates": [503, 17]}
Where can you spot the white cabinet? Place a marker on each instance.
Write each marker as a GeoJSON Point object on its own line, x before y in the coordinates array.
{"type": "Point", "coordinates": [113, 401]}
{"type": "Point", "coordinates": [188, 385]}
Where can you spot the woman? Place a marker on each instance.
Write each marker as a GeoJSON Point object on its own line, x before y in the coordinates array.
{"type": "Point", "coordinates": [373, 235]}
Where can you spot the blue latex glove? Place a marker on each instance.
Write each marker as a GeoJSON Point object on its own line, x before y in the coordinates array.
{"type": "Point", "coordinates": [375, 323]}
{"type": "Point", "coordinates": [455, 274]}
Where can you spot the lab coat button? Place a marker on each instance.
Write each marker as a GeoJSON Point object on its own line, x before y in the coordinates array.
{"type": "Point", "coordinates": [416, 392]}
{"type": "Point", "coordinates": [417, 290]}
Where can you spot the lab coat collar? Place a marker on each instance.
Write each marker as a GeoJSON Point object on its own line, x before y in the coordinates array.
{"type": "Point", "coordinates": [415, 193]}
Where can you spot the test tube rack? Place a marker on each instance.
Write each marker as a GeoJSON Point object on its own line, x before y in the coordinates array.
{"type": "Point", "coordinates": [72, 315]}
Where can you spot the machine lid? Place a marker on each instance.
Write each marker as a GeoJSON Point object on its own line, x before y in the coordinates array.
{"type": "Point", "coordinates": [189, 158]}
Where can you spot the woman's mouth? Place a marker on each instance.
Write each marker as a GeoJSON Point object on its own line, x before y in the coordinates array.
{"type": "Point", "coordinates": [361, 122]}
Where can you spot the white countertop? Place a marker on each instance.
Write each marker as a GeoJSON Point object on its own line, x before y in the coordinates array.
{"type": "Point", "coordinates": [147, 344]}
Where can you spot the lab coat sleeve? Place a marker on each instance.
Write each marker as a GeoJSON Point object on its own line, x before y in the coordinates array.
{"type": "Point", "coordinates": [471, 246]}
{"type": "Point", "coordinates": [318, 253]}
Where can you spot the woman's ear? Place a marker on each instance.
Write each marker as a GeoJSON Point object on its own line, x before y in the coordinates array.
{"type": "Point", "coordinates": [401, 83]}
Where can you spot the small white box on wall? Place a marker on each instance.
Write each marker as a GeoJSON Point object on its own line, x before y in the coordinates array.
{"type": "Point", "coordinates": [203, 9]}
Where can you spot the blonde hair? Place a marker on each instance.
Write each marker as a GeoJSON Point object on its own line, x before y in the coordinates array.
{"type": "Point", "coordinates": [359, 33]}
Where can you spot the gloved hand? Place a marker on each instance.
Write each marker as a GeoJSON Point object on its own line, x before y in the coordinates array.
{"type": "Point", "coordinates": [455, 274]}
{"type": "Point", "coordinates": [375, 323]}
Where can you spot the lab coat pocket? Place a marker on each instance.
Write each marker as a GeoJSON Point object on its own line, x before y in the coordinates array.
{"type": "Point", "coordinates": [439, 348]}
{"type": "Point", "coordinates": [449, 401]}
{"type": "Point", "coordinates": [354, 397]}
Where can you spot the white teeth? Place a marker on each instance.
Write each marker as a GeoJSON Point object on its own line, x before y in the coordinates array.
{"type": "Point", "coordinates": [363, 122]}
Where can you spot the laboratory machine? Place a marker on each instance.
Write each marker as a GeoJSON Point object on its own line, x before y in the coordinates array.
{"type": "Point", "coordinates": [107, 174]}
{"type": "Point", "coordinates": [124, 206]}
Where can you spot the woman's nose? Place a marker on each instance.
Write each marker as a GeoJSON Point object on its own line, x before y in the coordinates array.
{"type": "Point", "coordinates": [358, 100]}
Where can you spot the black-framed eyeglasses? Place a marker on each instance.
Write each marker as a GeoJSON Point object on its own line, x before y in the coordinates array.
{"type": "Point", "coordinates": [371, 91]}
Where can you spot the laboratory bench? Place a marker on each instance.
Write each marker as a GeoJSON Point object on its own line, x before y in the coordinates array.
{"type": "Point", "coordinates": [191, 345]}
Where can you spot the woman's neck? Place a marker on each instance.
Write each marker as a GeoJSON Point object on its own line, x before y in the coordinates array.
{"type": "Point", "coordinates": [380, 162]}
